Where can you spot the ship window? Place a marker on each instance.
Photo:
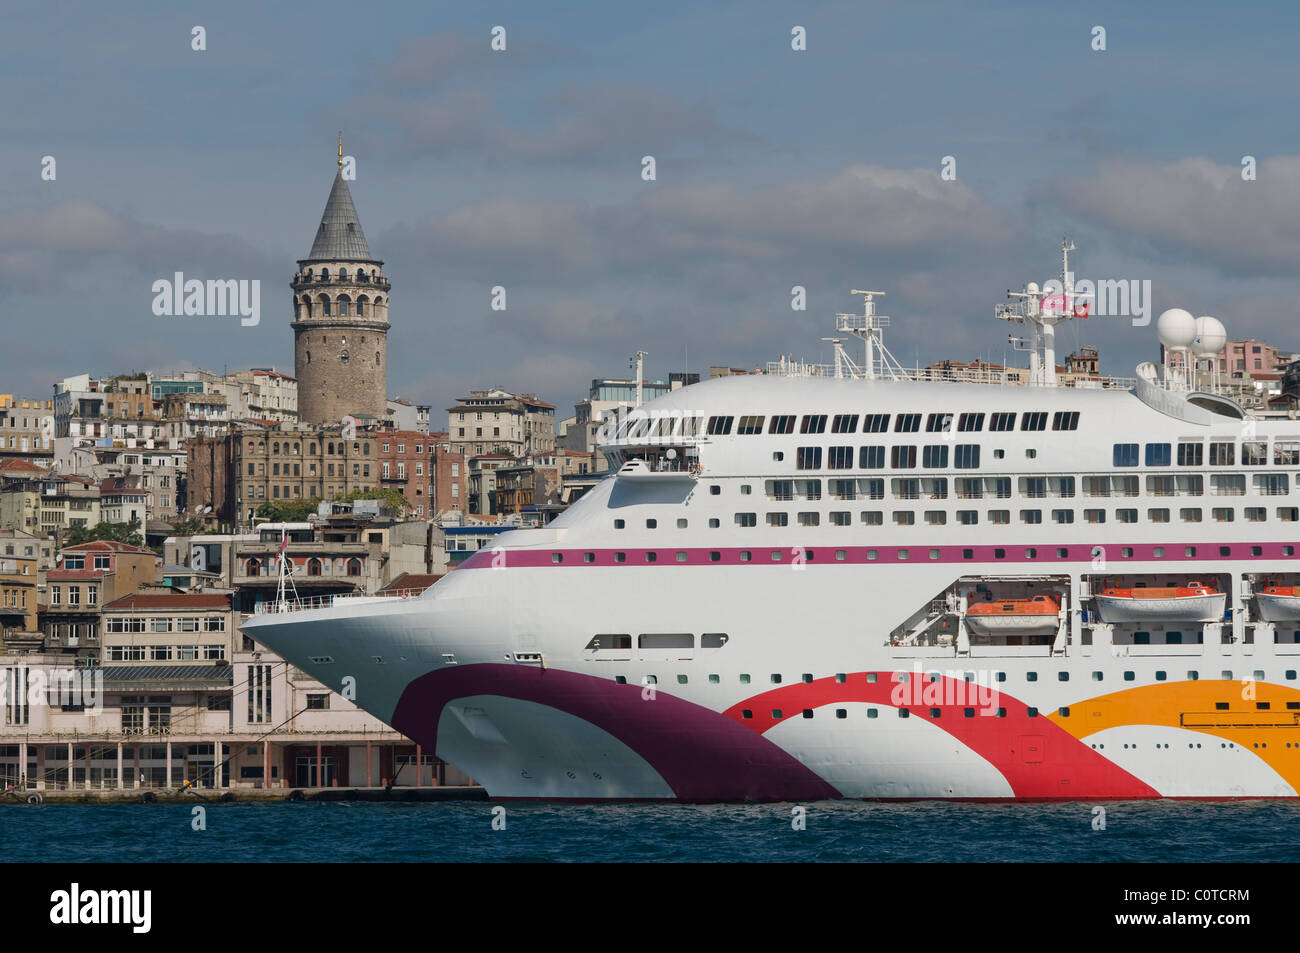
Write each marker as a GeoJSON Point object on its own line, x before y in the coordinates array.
{"type": "Point", "coordinates": [839, 458]}
{"type": "Point", "coordinates": [1157, 455]}
{"type": "Point", "coordinates": [1126, 516]}
{"type": "Point", "coordinates": [1062, 553]}
{"type": "Point", "coordinates": [968, 423]}
{"type": "Point", "coordinates": [1031, 516]}
{"type": "Point", "coordinates": [871, 458]}
{"type": "Point", "coordinates": [934, 554]}
{"type": "Point", "coordinates": [1062, 516]}
{"type": "Point", "coordinates": [746, 489]}
{"type": "Point", "coordinates": [905, 518]}
{"type": "Point", "coordinates": [1003, 422]}
{"type": "Point", "coordinates": [1222, 454]}
{"type": "Point", "coordinates": [776, 553]}
{"type": "Point", "coordinates": [1288, 550]}
{"type": "Point", "coordinates": [720, 426]}
{"type": "Point", "coordinates": [588, 557]}
{"type": "Point", "coordinates": [746, 555]}
{"type": "Point", "coordinates": [999, 454]}
{"type": "Point", "coordinates": [619, 524]}
{"type": "Point", "coordinates": [813, 423]}
{"type": "Point", "coordinates": [872, 554]}
{"type": "Point", "coordinates": [1271, 484]}
{"type": "Point", "coordinates": [1129, 676]}
{"type": "Point", "coordinates": [651, 524]}
{"type": "Point", "coordinates": [1031, 712]}
{"type": "Point", "coordinates": [665, 640]}
{"type": "Point", "coordinates": [681, 556]}
{"type": "Point", "coordinates": [746, 519]}
{"type": "Point", "coordinates": [875, 423]}
{"type": "Point", "coordinates": [620, 557]}
{"type": "Point", "coordinates": [968, 554]}
{"type": "Point", "coordinates": [1031, 453]}
{"type": "Point", "coordinates": [1031, 553]}
{"type": "Point", "coordinates": [1031, 676]}
{"type": "Point", "coordinates": [715, 490]}
{"type": "Point", "coordinates": [1223, 515]}
{"type": "Point", "coordinates": [968, 517]}
{"type": "Point", "coordinates": [1034, 420]}
{"type": "Point", "coordinates": [1065, 420]}
{"type": "Point", "coordinates": [681, 524]}
{"type": "Point", "coordinates": [966, 456]}
{"type": "Point", "coordinates": [902, 458]}
{"type": "Point", "coordinates": [903, 713]}
{"type": "Point", "coordinates": [1190, 514]}
{"type": "Point", "coordinates": [651, 557]}
{"type": "Point", "coordinates": [1062, 676]}
{"type": "Point", "coordinates": [1161, 676]}
{"type": "Point", "coordinates": [904, 554]}
{"type": "Point", "coordinates": [778, 519]}
{"type": "Point", "coordinates": [938, 423]}
{"type": "Point", "coordinates": [907, 423]}
{"type": "Point", "coordinates": [936, 712]}
{"type": "Point", "coordinates": [1191, 454]}
{"type": "Point", "coordinates": [936, 518]}
{"type": "Point", "coordinates": [715, 556]}
{"type": "Point", "coordinates": [934, 456]}
{"type": "Point", "coordinates": [841, 518]}
{"type": "Point", "coordinates": [746, 713]}
{"type": "Point", "coordinates": [1094, 516]}
{"type": "Point", "coordinates": [776, 679]}
{"type": "Point", "coordinates": [750, 425]}
{"type": "Point", "coordinates": [845, 423]}
{"type": "Point", "coordinates": [1064, 712]}
{"type": "Point", "coordinates": [776, 713]}
{"type": "Point", "coordinates": [808, 458]}
{"type": "Point", "coordinates": [1126, 455]}
{"type": "Point", "coordinates": [809, 519]}
{"type": "Point", "coordinates": [781, 423]}
{"type": "Point", "coordinates": [873, 517]}
{"type": "Point", "coordinates": [1257, 551]}
{"type": "Point", "coordinates": [1288, 514]}
{"type": "Point", "coordinates": [999, 517]}
{"type": "Point", "coordinates": [1255, 514]}
{"type": "Point", "coordinates": [557, 557]}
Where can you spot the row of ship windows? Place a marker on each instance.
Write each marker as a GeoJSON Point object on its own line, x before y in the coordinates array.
{"type": "Point", "coordinates": [1034, 487]}
{"type": "Point", "coordinates": [844, 518]}
{"type": "Point", "coordinates": [903, 555]}
{"type": "Point", "coordinates": [966, 456]}
{"type": "Point", "coordinates": [751, 424]}
{"type": "Point", "coordinates": [1254, 453]}
{"type": "Point", "coordinates": [1193, 675]}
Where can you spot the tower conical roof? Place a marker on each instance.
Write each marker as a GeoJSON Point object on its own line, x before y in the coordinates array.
{"type": "Point", "coordinates": [339, 237]}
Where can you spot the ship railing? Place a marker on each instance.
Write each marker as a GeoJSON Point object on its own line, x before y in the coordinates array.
{"type": "Point", "coordinates": [1015, 377]}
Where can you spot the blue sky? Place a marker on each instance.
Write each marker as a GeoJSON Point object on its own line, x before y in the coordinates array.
{"type": "Point", "coordinates": [775, 168]}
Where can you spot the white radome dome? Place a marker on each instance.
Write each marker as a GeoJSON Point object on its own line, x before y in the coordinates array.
{"type": "Point", "coordinates": [1211, 336]}
{"type": "Point", "coordinates": [1031, 288]}
{"type": "Point", "coordinates": [1176, 328]}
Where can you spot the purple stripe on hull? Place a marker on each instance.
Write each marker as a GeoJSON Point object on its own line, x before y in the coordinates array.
{"type": "Point", "coordinates": [701, 754]}
{"type": "Point", "coordinates": [825, 555]}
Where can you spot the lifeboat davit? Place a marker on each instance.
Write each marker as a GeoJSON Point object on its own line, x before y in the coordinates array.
{"type": "Point", "coordinates": [1194, 602]}
{"type": "Point", "coordinates": [1039, 615]}
{"type": "Point", "coordinates": [1279, 603]}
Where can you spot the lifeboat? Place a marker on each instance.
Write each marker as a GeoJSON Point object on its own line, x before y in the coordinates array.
{"type": "Point", "coordinates": [1279, 603]}
{"type": "Point", "coordinates": [1039, 615]}
{"type": "Point", "coordinates": [1194, 602]}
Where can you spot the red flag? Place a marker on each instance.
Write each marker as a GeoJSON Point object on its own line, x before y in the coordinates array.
{"type": "Point", "coordinates": [284, 542]}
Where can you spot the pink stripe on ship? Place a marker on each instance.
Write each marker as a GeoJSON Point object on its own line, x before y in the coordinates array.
{"type": "Point", "coordinates": [825, 555]}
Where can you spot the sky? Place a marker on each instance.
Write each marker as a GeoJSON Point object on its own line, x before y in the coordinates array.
{"type": "Point", "coordinates": [522, 168]}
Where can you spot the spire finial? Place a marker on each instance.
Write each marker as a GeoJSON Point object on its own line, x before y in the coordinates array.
{"type": "Point", "coordinates": [340, 148]}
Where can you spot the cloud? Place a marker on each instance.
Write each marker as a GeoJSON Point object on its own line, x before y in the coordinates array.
{"type": "Point", "coordinates": [1193, 210]}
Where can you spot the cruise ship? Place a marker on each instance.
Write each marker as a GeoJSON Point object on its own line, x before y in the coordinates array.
{"type": "Point", "coordinates": [857, 581]}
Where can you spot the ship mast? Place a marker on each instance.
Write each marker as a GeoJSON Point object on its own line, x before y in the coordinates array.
{"type": "Point", "coordinates": [1040, 311]}
{"type": "Point", "coordinates": [869, 326]}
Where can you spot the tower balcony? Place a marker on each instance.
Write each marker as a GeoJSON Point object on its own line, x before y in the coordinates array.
{"type": "Point", "coordinates": [302, 281]}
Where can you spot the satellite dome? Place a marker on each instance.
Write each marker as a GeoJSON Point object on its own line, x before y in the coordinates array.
{"type": "Point", "coordinates": [1211, 336]}
{"type": "Point", "coordinates": [1031, 288]}
{"type": "Point", "coordinates": [1176, 329]}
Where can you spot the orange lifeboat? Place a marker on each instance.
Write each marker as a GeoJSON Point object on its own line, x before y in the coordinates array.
{"type": "Point", "coordinates": [1194, 602]}
{"type": "Point", "coordinates": [1037, 615]}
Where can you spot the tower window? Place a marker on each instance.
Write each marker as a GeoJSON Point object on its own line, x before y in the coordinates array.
{"type": "Point", "coordinates": [309, 357]}
{"type": "Point", "coordinates": [343, 358]}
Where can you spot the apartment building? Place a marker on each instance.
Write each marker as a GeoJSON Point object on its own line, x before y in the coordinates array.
{"type": "Point", "coordinates": [496, 421]}
{"type": "Point", "coordinates": [89, 576]}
